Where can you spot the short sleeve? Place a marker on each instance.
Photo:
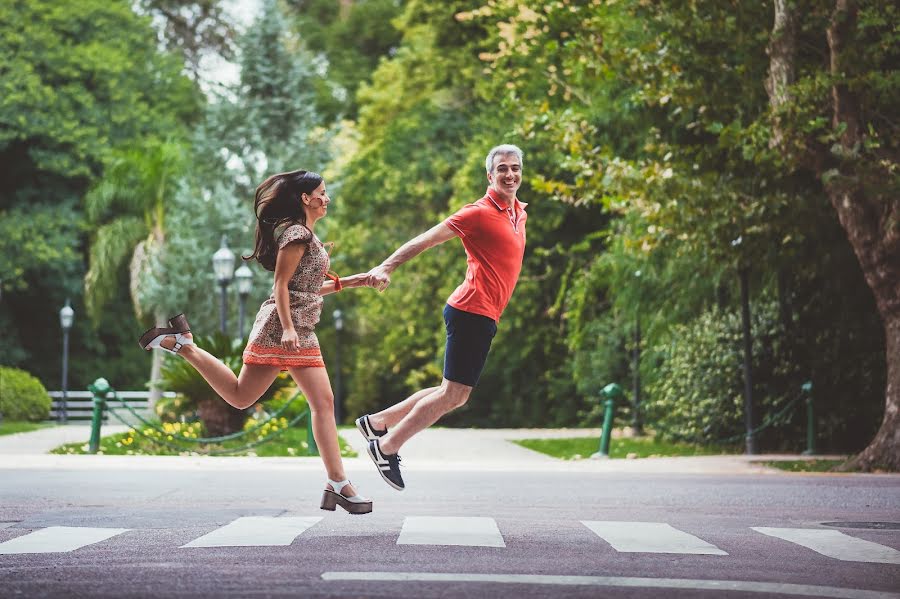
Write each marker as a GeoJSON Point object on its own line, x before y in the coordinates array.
{"type": "Point", "coordinates": [294, 233]}
{"type": "Point", "coordinates": [464, 221]}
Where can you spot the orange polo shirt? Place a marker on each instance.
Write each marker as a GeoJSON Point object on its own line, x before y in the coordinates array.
{"type": "Point", "coordinates": [493, 235]}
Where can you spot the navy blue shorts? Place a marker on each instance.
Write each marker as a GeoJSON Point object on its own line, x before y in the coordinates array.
{"type": "Point", "coordinates": [469, 339]}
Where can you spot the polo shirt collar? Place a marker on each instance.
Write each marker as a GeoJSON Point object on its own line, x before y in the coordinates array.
{"type": "Point", "coordinates": [498, 202]}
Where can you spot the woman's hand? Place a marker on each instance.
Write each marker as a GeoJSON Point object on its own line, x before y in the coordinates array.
{"type": "Point", "coordinates": [290, 341]}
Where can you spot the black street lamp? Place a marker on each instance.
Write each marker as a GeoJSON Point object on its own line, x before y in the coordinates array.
{"type": "Point", "coordinates": [223, 267]}
{"type": "Point", "coordinates": [66, 318]}
{"type": "Point", "coordinates": [744, 277]}
{"type": "Point", "coordinates": [338, 327]}
{"type": "Point", "coordinates": [244, 278]}
{"type": "Point", "coordinates": [637, 423]}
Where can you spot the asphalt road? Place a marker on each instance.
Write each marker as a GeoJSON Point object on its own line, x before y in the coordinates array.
{"type": "Point", "coordinates": [538, 521]}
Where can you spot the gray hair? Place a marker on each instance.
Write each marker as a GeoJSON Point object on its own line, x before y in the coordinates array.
{"type": "Point", "coordinates": [502, 149]}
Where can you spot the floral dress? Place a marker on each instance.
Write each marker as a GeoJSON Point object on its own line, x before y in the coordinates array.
{"type": "Point", "coordinates": [264, 343]}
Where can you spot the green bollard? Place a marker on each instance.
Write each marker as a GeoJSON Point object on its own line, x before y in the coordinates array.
{"type": "Point", "coordinates": [611, 392]}
{"type": "Point", "coordinates": [312, 448]}
{"type": "Point", "coordinates": [810, 419]}
{"type": "Point", "coordinates": [99, 389]}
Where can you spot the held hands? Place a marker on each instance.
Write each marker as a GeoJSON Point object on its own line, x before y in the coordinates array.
{"type": "Point", "coordinates": [379, 278]}
{"type": "Point", "coordinates": [290, 341]}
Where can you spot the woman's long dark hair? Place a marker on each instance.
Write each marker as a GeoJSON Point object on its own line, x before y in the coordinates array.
{"type": "Point", "coordinates": [277, 203]}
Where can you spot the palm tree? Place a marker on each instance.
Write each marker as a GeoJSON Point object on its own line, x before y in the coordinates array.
{"type": "Point", "coordinates": [128, 209]}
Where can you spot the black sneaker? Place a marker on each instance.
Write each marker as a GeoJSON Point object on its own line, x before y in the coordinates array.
{"type": "Point", "coordinates": [368, 431]}
{"type": "Point", "coordinates": [388, 465]}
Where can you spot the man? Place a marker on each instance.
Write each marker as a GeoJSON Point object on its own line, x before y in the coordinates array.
{"type": "Point", "coordinates": [492, 231]}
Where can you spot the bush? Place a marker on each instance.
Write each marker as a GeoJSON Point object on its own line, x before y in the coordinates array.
{"type": "Point", "coordinates": [697, 391]}
{"type": "Point", "coordinates": [22, 396]}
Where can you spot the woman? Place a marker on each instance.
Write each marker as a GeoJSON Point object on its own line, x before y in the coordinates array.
{"type": "Point", "coordinates": [287, 207]}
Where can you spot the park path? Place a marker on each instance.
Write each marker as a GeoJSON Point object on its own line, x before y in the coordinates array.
{"type": "Point", "coordinates": [440, 449]}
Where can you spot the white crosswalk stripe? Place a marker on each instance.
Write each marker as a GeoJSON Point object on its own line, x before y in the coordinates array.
{"type": "Point", "coordinates": [255, 531]}
{"type": "Point", "coordinates": [446, 530]}
{"type": "Point", "coordinates": [835, 544]}
{"type": "Point", "coordinates": [622, 536]}
{"type": "Point", "coordinates": [650, 537]}
{"type": "Point", "coordinates": [58, 539]}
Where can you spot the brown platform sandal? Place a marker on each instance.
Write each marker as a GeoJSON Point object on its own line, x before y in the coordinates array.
{"type": "Point", "coordinates": [178, 326]}
{"type": "Point", "coordinates": [355, 504]}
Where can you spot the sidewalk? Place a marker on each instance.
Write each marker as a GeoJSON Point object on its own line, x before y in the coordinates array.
{"type": "Point", "coordinates": [43, 440]}
{"type": "Point", "coordinates": [442, 449]}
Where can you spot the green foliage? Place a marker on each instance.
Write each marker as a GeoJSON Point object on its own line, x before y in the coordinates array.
{"type": "Point", "coordinates": [38, 242]}
{"type": "Point", "coordinates": [697, 389]}
{"type": "Point", "coordinates": [281, 440]}
{"type": "Point", "coordinates": [267, 122]}
{"type": "Point", "coordinates": [351, 37]}
{"type": "Point", "coordinates": [11, 428]}
{"type": "Point", "coordinates": [22, 396]}
{"type": "Point", "coordinates": [129, 205]}
{"type": "Point", "coordinates": [196, 28]}
{"type": "Point", "coordinates": [619, 448]}
{"type": "Point", "coordinates": [78, 80]}
{"type": "Point", "coordinates": [179, 276]}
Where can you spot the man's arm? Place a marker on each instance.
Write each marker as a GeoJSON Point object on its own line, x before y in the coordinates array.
{"type": "Point", "coordinates": [380, 276]}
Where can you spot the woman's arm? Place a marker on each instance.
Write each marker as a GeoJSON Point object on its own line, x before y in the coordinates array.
{"type": "Point", "coordinates": [357, 280]}
{"type": "Point", "coordinates": [285, 265]}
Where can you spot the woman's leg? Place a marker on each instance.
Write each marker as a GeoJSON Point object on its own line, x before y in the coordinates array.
{"type": "Point", "coordinates": [240, 391]}
{"type": "Point", "coordinates": [316, 386]}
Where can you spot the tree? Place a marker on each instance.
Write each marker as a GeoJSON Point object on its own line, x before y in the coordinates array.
{"type": "Point", "coordinates": [266, 123]}
{"type": "Point", "coordinates": [129, 206]}
{"type": "Point", "coordinates": [656, 113]}
{"type": "Point", "coordinates": [195, 28]}
{"type": "Point", "coordinates": [350, 37]}
{"type": "Point", "coordinates": [79, 81]}
{"type": "Point", "coordinates": [854, 153]}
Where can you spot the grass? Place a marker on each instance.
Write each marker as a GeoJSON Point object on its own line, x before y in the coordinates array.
{"type": "Point", "coordinates": [804, 465]}
{"type": "Point", "coordinates": [641, 447]}
{"type": "Point", "coordinates": [291, 442]}
{"type": "Point", "coordinates": [10, 428]}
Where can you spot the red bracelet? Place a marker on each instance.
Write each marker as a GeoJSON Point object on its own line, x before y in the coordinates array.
{"type": "Point", "coordinates": [337, 281]}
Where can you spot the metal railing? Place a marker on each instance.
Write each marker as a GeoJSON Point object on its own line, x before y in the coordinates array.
{"type": "Point", "coordinates": [105, 400]}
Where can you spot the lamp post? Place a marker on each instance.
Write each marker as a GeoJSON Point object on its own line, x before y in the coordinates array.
{"type": "Point", "coordinates": [223, 267]}
{"type": "Point", "coordinates": [636, 421]}
{"type": "Point", "coordinates": [338, 327]}
{"type": "Point", "coordinates": [244, 277]}
{"type": "Point", "coordinates": [66, 318]}
{"type": "Point", "coordinates": [744, 277]}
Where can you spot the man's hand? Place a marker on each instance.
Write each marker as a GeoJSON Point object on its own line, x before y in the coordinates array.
{"type": "Point", "coordinates": [379, 278]}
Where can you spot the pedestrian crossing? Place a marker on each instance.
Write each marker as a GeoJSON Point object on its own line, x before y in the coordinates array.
{"type": "Point", "coordinates": [650, 537]}
{"type": "Point", "coordinates": [58, 539]}
{"type": "Point", "coordinates": [621, 536]}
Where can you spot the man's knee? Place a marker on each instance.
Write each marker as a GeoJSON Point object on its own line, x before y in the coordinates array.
{"type": "Point", "coordinates": [455, 395]}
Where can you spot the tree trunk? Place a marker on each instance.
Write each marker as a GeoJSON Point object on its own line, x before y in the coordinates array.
{"type": "Point", "coordinates": [871, 222]}
{"type": "Point", "coordinates": [156, 368]}
{"type": "Point", "coordinates": [220, 418]}
{"type": "Point", "coordinates": [869, 218]}
{"type": "Point", "coordinates": [782, 56]}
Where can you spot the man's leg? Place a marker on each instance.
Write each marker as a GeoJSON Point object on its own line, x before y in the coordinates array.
{"type": "Point", "coordinates": [424, 412]}
{"type": "Point", "coordinates": [389, 417]}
